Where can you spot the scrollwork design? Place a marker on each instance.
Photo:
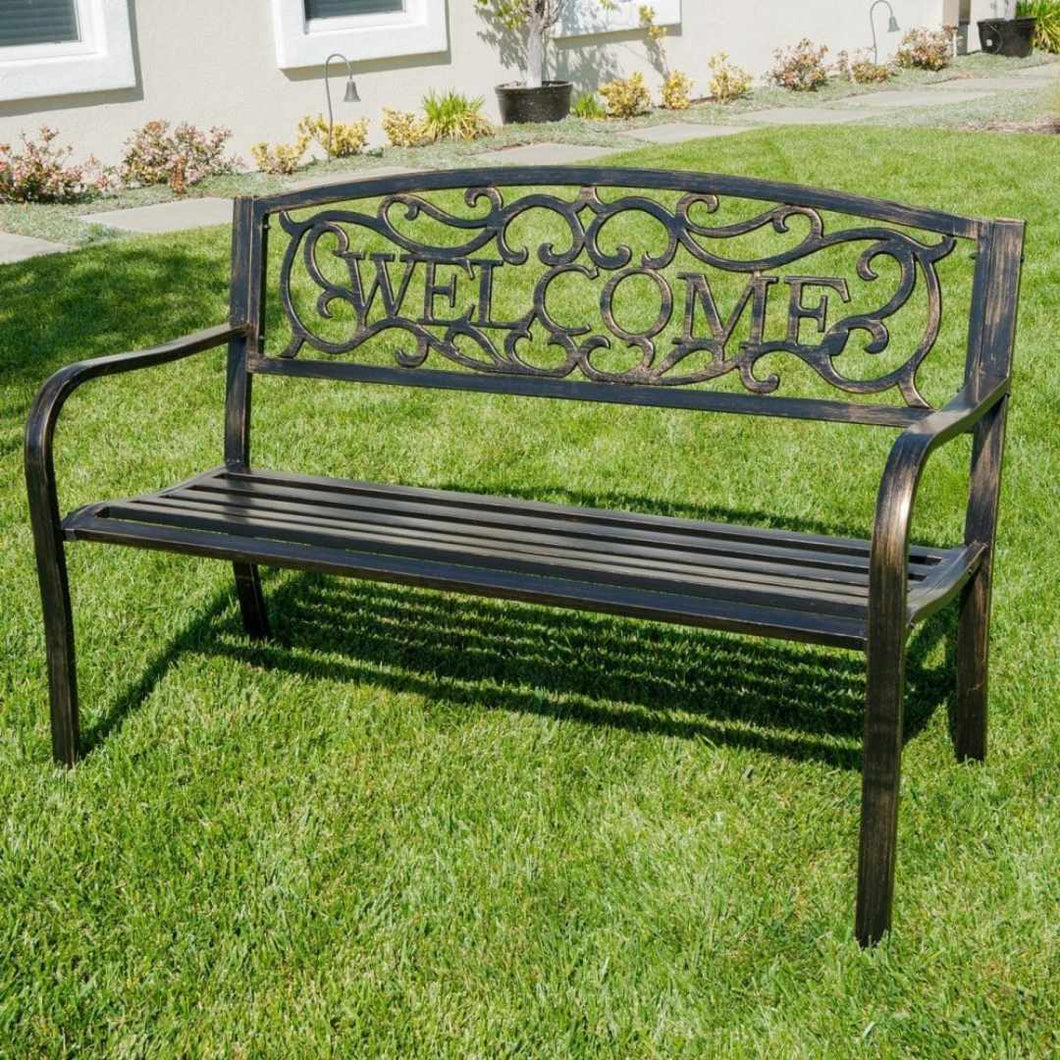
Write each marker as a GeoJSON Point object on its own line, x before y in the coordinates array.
{"type": "Point", "coordinates": [483, 245]}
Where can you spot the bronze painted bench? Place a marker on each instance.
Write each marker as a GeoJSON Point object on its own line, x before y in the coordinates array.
{"type": "Point", "coordinates": [414, 264]}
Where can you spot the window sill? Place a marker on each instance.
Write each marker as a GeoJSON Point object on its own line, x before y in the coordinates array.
{"type": "Point", "coordinates": [420, 29]}
{"type": "Point", "coordinates": [101, 62]}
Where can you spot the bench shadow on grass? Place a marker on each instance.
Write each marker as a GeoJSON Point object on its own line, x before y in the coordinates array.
{"type": "Point", "coordinates": [596, 670]}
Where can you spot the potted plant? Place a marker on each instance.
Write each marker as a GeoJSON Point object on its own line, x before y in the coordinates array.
{"type": "Point", "coordinates": [1008, 36]}
{"type": "Point", "coordinates": [533, 98]}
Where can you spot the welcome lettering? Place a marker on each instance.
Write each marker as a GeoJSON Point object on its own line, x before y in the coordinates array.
{"type": "Point", "coordinates": [469, 283]}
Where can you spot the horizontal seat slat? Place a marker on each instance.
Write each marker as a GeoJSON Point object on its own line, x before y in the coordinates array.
{"type": "Point", "coordinates": [633, 520]}
{"type": "Point", "coordinates": [408, 502]}
{"type": "Point", "coordinates": [806, 597]}
{"type": "Point", "coordinates": [532, 541]}
{"type": "Point", "coordinates": [836, 630]}
{"type": "Point", "coordinates": [509, 543]}
{"type": "Point", "coordinates": [773, 582]}
{"type": "Point", "coordinates": [945, 581]}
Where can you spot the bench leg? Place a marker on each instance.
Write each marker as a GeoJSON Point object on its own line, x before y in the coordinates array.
{"type": "Point", "coordinates": [251, 600]}
{"type": "Point", "coordinates": [59, 645]}
{"type": "Point", "coordinates": [881, 767]}
{"type": "Point", "coordinates": [969, 735]}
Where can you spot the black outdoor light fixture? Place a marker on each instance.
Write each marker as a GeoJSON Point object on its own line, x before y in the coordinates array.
{"type": "Point", "coordinates": [892, 26]}
{"type": "Point", "coordinates": [351, 91]}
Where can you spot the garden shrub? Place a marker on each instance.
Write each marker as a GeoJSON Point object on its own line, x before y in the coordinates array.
{"type": "Point", "coordinates": [43, 173]}
{"type": "Point", "coordinates": [155, 155]}
{"type": "Point", "coordinates": [452, 116]}
{"type": "Point", "coordinates": [800, 68]}
{"type": "Point", "coordinates": [283, 158]}
{"type": "Point", "coordinates": [1047, 31]}
{"type": "Point", "coordinates": [403, 128]}
{"type": "Point", "coordinates": [677, 91]}
{"type": "Point", "coordinates": [627, 97]}
{"type": "Point", "coordinates": [588, 107]}
{"type": "Point", "coordinates": [347, 139]}
{"type": "Point", "coordinates": [862, 70]}
{"type": "Point", "coordinates": [728, 82]}
{"type": "Point", "coordinates": [925, 49]}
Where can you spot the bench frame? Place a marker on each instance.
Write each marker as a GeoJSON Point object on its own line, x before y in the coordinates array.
{"type": "Point", "coordinates": [979, 408]}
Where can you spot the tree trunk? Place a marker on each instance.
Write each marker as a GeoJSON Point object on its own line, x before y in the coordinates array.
{"type": "Point", "coordinates": [535, 51]}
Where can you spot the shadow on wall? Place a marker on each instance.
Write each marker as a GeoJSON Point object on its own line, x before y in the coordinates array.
{"type": "Point", "coordinates": [587, 65]}
{"type": "Point", "coordinates": [509, 45]}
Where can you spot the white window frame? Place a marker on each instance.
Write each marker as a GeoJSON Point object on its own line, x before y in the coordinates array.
{"type": "Point", "coordinates": [583, 18]}
{"type": "Point", "coordinates": [419, 29]}
{"type": "Point", "coordinates": [101, 60]}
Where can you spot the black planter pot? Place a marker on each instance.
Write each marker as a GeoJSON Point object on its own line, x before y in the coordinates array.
{"type": "Point", "coordinates": [1013, 37]}
{"type": "Point", "coordinates": [550, 102]}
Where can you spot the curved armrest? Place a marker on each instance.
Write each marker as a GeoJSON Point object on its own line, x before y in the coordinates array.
{"type": "Point", "coordinates": [40, 429]}
{"type": "Point", "coordinates": [894, 504]}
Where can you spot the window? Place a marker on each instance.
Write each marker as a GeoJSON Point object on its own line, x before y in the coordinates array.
{"type": "Point", "coordinates": [346, 8]}
{"type": "Point", "coordinates": [25, 22]}
{"type": "Point", "coordinates": [64, 47]}
{"type": "Point", "coordinates": [307, 31]}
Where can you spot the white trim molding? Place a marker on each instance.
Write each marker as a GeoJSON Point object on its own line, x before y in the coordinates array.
{"type": "Point", "coordinates": [101, 60]}
{"type": "Point", "coordinates": [418, 29]}
{"type": "Point", "coordinates": [581, 18]}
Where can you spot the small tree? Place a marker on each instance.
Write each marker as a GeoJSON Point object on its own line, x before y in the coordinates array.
{"type": "Point", "coordinates": [537, 19]}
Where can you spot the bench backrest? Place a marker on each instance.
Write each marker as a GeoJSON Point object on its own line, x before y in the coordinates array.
{"type": "Point", "coordinates": [676, 289]}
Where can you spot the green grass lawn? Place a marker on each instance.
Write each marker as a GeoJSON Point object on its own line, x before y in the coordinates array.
{"type": "Point", "coordinates": [419, 825]}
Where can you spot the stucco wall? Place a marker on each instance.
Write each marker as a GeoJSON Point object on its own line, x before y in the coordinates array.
{"type": "Point", "coordinates": [214, 62]}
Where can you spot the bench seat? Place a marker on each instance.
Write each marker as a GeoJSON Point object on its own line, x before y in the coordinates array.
{"type": "Point", "coordinates": [770, 582]}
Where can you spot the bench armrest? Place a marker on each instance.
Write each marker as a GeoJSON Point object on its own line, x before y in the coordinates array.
{"type": "Point", "coordinates": [888, 563]}
{"type": "Point", "coordinates": [40, 428]}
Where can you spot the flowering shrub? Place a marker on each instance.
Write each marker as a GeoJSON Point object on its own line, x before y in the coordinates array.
{"type": "Point", "coordinates": [283, 158]}
{"type": "Point", "coordinates": [801, 68]}
{"type": "Point", "coordinates": [862, 70]}
{"type": "Point", "coordinates": [346, 138]}
{"type": "Point", "coordinates": [626, 97]}
{"type": "Point", "coordinates": [728, 81]}
{"type": "Point", "coordinates": [43, 173]}
{"type": "Point", "coordinates": [926, 49]}
{"type": "Point", "coordinates": [404, 129]}
{"type": "Point", "coordinates": [154, 155]}
{"type": "Point", "coordinates": [677, 91]}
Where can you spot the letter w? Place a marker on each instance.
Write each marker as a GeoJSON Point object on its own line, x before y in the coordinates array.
{"type": "Point", "coordinates": [381, 284]}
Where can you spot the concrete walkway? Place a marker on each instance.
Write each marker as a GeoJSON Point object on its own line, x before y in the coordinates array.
{"type": "Point", "coordinates": [360, 174]}
{"type": "Point", "coordinates": [927, 97]}
{"type": "Point", "coordinates": [166, 216]}
{"type": "Point", "coordinates": [18, 248]}
{"type": "Point", "coordinates": [681, 132]}
{"type": "Point", "coordinates": [801, 116]}
{"type": "Point", "coordinates": [545, 154]}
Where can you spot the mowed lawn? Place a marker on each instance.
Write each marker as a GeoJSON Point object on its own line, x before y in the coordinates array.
{"type": "Point", "coordinates": [417, 824]}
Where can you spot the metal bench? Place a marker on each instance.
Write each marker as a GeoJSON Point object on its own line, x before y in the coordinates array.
{"type": "Point", "coordinates": [862, 594]}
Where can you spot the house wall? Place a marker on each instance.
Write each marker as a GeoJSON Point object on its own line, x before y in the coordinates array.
{"type": "Point", "coordinates": [215, 62]}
